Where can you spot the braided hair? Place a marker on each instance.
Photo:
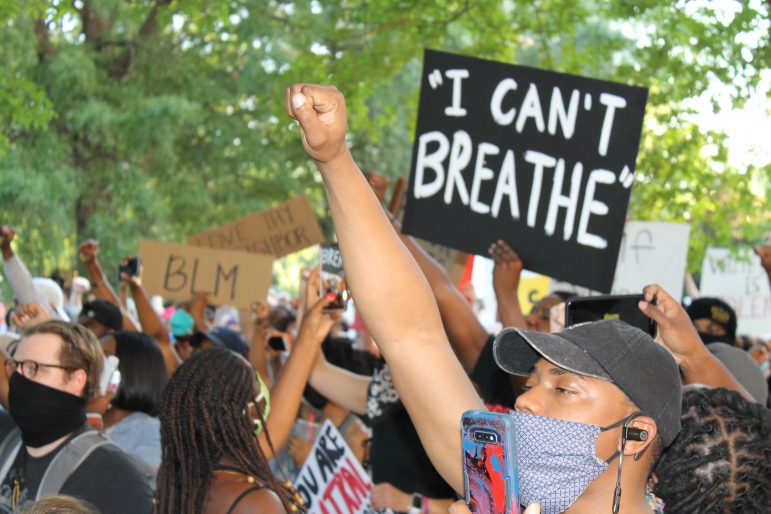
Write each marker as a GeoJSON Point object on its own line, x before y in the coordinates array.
{"type": "Point", "coordinates": [203, 419]}
{"type": "Point", "coordinates": [721, 460]}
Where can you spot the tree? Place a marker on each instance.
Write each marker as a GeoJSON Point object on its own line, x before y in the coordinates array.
{"type": "Point", "coordinates": [158, 119]}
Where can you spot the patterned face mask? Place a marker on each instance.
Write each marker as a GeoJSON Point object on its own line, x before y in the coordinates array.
{"type": "Point", "coordinates": [556, 460]}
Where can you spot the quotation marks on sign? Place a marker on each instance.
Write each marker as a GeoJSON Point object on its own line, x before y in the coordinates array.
{"type": "Point", "coordinates": [435, 79]}
{"type": "Point", "coordinates": [626, 178]}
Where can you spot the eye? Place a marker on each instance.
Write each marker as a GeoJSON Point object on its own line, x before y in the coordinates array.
{"type": "Point", "coordinates": [563, 390]}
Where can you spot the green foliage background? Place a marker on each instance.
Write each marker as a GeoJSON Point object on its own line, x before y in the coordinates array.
{"type": "Point", "coordinates": [137, 119]}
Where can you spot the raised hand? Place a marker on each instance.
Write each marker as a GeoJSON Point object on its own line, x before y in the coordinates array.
{"type": "Point", "coordinates": [321, 113]}
{"type": "Point", "coordinates": [29, 315]}
{"type": "Point", "coordinates": [508, 266]}
{"type": "Point", "coordinates": [316, 323]}
{"type": "Point", "coordinates": [88, 250]}
{"type": "Point", "coordinates": [676, 330]}
{"type": "Point", "coordinates": [7, 234]}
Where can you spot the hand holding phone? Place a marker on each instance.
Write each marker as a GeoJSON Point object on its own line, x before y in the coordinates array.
{"type": "Point", "coordinates": [129, 266]}
{"type": "Point", "coordinates": [110, 379]}
{"type": "Point", "coordinates": [279, 341]}
{"type": "Point", "coordinates": [489, 463]}
{"type": "Point", "coordinates": [333, 283]}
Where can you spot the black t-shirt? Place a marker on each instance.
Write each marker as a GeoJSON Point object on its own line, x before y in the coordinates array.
{"type": "Point", "coordinates": [396, 454]}
{"type": "Point", "coordinates": [108, 479]}
{"type": "Point", "coordinates": [495, 385]}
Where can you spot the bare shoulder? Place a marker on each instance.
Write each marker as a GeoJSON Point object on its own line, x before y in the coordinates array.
{"type": "Point", "coordinates": [262, 500]}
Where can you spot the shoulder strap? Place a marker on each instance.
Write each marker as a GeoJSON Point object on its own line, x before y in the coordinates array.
{"type": "Point", "coordinates": [67, 461]}
{"type": "Point", "coordinates": [9, 449]}
{"type": "Point", "coordinates": [242, 496]}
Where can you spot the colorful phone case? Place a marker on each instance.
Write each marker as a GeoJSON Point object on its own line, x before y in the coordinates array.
{"type": "Point", "coordinates": [490, 468]}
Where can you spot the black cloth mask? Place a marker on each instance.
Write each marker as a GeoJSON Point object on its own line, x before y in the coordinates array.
{"type": "Point", "coordinates": [712, 338]}
{"type": "Point", "coordinates": [43, 414]}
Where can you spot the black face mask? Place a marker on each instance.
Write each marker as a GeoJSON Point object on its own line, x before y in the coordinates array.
{"type": "Point", "coordinates": [43, 414]}
{"type": "Point", "coordinates": [712, 338]}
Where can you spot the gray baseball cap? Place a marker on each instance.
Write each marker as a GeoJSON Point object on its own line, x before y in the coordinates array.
{"type": "Point", "coordinates": [609, 350]}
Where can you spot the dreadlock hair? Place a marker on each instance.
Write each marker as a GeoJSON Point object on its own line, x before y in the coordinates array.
{"type": "Point", "coordinates": [204, 418]}
{"type": "Point", "coordinates": [721, 460]}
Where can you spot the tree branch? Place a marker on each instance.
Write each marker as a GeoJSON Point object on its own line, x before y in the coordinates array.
{"type": "Point", "coordinates": [45, 49]}
{"type": "Point", "coordinates": [151, 27]}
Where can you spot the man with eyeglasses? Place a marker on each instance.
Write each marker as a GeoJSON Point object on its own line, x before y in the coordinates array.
{"type": "Point", "coordinates": [54, 371]}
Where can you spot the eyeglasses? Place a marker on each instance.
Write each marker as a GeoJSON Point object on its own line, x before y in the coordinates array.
{"type": "Point", "coordinates": [30, 368]}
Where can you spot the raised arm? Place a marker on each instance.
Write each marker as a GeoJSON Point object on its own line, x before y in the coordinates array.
{"type": "Point", "coordinates": [506, 274]}
{"type": "Point", "coordinates": [258, 355]}
{"type": "Point", "coordinates": [340, 386]}
{"type": "Point", "coordinates": [89, 254]}
{"type": "Point", "coordinates": [19, 277]}
{"type": "Point", "coordinates": [380, 269]}
{"type": "Point", "coordinates": [287, 391]}
{"type": "Point", "coordinates": [464, 331]}
{"type": "Point", "coordinates": [151, 322]}
{"type": "Point", "coordinates": [679, 336]}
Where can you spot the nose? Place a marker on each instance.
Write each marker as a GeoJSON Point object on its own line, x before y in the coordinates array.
{"type": "Point", "coordinates": [531, 401]}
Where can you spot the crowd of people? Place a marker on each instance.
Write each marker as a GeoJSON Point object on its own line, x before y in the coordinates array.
{"type": "Point", "coordinates": [200, 414]}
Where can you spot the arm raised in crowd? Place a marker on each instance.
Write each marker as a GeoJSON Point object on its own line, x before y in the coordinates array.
{"type": "Point", "coordinates": [506, 274]}
{"type": "Point", "coordinates": [287, 391]}
{"type": "Point", "coordinates": [339, 385]}
{"type": "Point", "coordinates": [258, 355]}
{"type": "Point", "coordinates": [89, 254]}
{"type": "Point", "coordinates": [429, 378]}
{"type": "Point", "coordinates": [464, 331]}
{"type": "Point", "coordinates": [679, 336]}
{"type": "Point", "coordinates": [151, 322]}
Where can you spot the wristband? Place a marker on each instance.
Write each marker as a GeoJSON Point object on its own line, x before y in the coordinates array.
{"type": "Point", "coordinates": [416, 505]}
{"type": "Point", "coordinates": [426, 509]}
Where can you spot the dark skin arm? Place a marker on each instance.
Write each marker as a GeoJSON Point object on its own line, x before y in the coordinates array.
{"type": "Point", "coordinates": [466, 334]}
{"type": "Point", "coordinates": [506, 274]}
{"type": "Point", "coordinates": [258, 356]}
{"type": "Point", "coordinates": [6, 237]}
{"type": "Point", "coordinates": [151, 322]}
{"type": "Point", "coordinates": [89, 254]}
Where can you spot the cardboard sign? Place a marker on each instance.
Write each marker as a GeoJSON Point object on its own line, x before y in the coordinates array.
{"type": "Point", "coordinates": [543, 160]}
{"type": "Point", "coordinates": [651, 253]}
{"type": "Point", "coordinates": [743, 284]}
{"type": "Point", "coordinates": [177, 272]}
{"type": "Point", "coordinates": [280, 231]}
{"type": "Point", "coordinates": [332, 481]}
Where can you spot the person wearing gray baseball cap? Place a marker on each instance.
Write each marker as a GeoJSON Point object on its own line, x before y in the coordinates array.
{"type": "Point", "coordinates": [595, 393]}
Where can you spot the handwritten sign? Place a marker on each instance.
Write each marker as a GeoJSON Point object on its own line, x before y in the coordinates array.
{"type": "Point", "coordinates": [743, 284]}
{"type": "Point", "coordinates": [525, 155]}
{"type": "Point", "coordinates": [332, 481]}
{"type": "Point", "coordinates": [177, 272]}
{"type": "Point", "coordinates": [280, 231]}
{"type": "Point", "coordinates": [651, 253]}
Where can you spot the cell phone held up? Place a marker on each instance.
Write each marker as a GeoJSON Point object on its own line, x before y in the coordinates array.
{"type": "Point", "coordinates": [130, 266]}
{"type": "Point", "coordinates": [584, 309]}
{"type": "Point", "coordinates": [333, 283]}
{"type": "Point", "coordinates": [489, 463]}
{"type": "Point", "coordinates": [279, 342]}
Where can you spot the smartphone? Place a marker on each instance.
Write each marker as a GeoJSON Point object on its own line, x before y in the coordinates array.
{"type": "Point", "coordinates": [489, 462]}
{"type": "Point", "coordinates": [582, 309]}
{"type": "Point", "coordinates": [279, 341]}
{"type": "Point", "coordinates": [109, 372]}
{"type": "Point", "coordinates": [129, 266]}
{"type": "Point", "coordinates": [333, 277]}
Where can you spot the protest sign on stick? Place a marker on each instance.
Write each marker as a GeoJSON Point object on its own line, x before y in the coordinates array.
{"type": "Point", "coordinates": [543, 160]}
{"type": "Point", "coordinates": [177, 272]}
{"type": "Point", "coordinates": [332, 480]}
{"type": "Point", "coordinates": [741, 282]}
{"type": "Point", "coordinates": [279, 231]}
{"type": "Point", "coordinates": [651, 253]}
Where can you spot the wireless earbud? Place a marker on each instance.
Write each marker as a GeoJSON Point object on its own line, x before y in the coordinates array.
{"type": "Point", "coordinates": [635, 434]}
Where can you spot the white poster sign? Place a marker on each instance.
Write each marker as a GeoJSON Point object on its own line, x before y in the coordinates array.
{"type": "Point", "coordinates": [742, 283]}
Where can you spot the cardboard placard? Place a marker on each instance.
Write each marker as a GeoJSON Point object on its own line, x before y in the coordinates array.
{"type": "Point", "coordinates": [332, 481]}
{"type": "Point", "coordinates": [543, 160]}
{"type": "Point", "coordinates": [651, 253]}
{"type": "Point", "coordinates": [743, 284]}
{"type": "Point", "coordinates": [279, 231]}
{"type": "Point", "coordinates": [176, 272]}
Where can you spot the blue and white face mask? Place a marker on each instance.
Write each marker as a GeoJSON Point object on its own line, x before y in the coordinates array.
{"type": "Point", "coordinates": [556, 460]}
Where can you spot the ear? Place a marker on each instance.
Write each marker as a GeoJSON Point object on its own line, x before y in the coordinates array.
{"type": "Point", "coordinates": [646, 423]}
{"type": "Point", "coordinates": [77, 381]}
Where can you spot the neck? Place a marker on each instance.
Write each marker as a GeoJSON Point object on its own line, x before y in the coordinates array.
{"type": "Point", "coordinates": [42, 451]}
{"type": "Point", "coordinates": [113, 415]}
{"type": "Point", "coordinates": [598, 497]}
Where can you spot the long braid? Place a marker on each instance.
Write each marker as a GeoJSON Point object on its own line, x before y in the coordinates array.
{"type": "Point", "coordinates": [721, 460]}
{"type": "Point", "coordinates": [203, 419]}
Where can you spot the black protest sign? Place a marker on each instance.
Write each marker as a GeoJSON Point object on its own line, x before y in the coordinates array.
{"type": "Point", "coordinates": [542, 160]}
